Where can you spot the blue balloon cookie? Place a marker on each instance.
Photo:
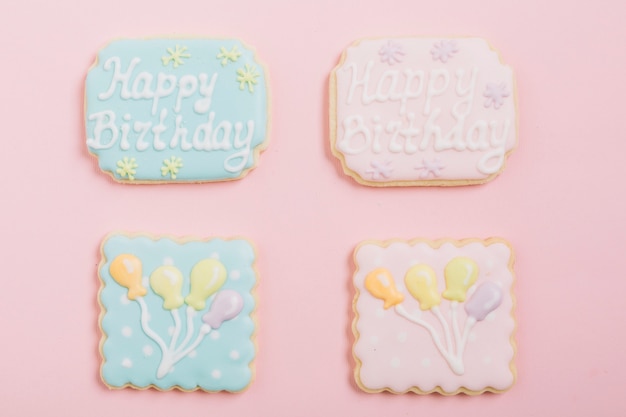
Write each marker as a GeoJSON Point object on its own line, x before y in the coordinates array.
{"type": "Point", "coordinates": [177, 313]}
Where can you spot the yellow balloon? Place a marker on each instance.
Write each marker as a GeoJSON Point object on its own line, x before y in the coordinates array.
{"type": "Point", "coordinates": [379, 283]}
{"type": "Point", "coordinates": [167, 281]}
{"type": "Point", "coordinates": [207, 276]}
{"type": "Point", "coordinates": [126, 271]}
{"type": "Point", "coordinates": [461, 273]}
{"type": "Point", "coordinates": [421, 281]}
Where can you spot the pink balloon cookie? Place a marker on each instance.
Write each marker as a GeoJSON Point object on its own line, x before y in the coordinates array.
{"type": "Point", "coordinates": [422, 111]}
{"type": "Point", "coordinates": [434, 316]}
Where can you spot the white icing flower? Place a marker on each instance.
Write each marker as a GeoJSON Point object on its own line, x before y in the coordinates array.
{"type": "Point", "coordinates": [430, 167]}
{"type": "Point", "coordinates": [380, 170]}
{"type": "Point", "coordinates": [495, 94]}
{"type": "Point", "coordinates": [391, 53]}
{"type": "Point", "coordinates": [444, 50]}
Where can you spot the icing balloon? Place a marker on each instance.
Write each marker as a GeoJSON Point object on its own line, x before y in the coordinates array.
{"type": "Point", "coordinates": [126, 271]}
{"type": "Point", "coordinates": [460, 273]}
{"type": "Point", "coordinates": [226, 305]}
{"type": "Point", "coordinates": [207, 276]}
{"type": "Point", "coordinates": [488, 297]}
{"type": "Point", "coordinates": [167, 281]}
{"type": "Point", "coordinates": [379, 283]}
{"type": "Point", "coordinates": [421, 281]}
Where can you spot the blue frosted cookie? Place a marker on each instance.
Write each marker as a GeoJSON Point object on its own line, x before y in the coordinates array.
{"type": "Point", "coordinates": [176, 110]}
{"type": "Point", "coordinates": [177, 313]}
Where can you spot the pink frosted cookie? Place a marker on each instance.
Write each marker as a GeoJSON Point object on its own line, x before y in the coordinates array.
{"type": "Point", "coordinates": [422, 111]}
{"type": "Point", "coordinates": [434, 316]}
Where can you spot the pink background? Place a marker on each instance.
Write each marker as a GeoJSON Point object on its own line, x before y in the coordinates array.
{"type": "Point", "coordinates": [560, 202]}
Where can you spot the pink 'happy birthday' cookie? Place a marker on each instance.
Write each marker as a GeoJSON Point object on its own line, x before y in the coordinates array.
{"type": "Point", "coordinates": [434, 316]}
{"type": "Point", "coordinates": [422, 111]}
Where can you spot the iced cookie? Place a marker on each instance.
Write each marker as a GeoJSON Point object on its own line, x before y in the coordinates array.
{"type": "Point", "coordinates": [422, 111]}
{"type": "Point", "coordinates": [434, 316]}
{"type": "Point", "coordinates": [177, 313]}
{"type": "Point", "coordinates": [176, 110]}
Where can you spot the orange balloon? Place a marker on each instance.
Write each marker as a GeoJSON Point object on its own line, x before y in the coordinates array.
{"type": "Point", "coordinates": [379, 283]}
{"type": "Point", "coordinates": [126, 271]}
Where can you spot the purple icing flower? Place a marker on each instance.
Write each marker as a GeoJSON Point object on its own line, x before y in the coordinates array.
{"type": "Point", "coordinates": [495, 94]}
{"type": "Point", "coordinates": [430, 167]}
{"type": "Point", "coordinates": [443, 50]}
{"type": "Point", "coordinates": [391, 53]}
{"type": "Point", "coordinates": [380, 170]}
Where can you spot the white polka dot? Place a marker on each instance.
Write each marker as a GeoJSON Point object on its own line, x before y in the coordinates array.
{"type": "Point", "coordinates": [395, 362]}
{"type": "Point", "coordinates": [234, 355]}
{"type": "Point", "coordinates": [472, 337]}
{"type": "Point", "coordinates": [380, 313]}
{"type": "Point", "coordinates": [214, 335]}
{"type": "Point", "coordinates": [215, 255]}
{"type": "Point", "coordinates": [171, 330]}
{"type": "Point", "coordinates": [147, 350]}
{"type": "Point", "coordinates": [168, 261]}
{"type": "Point", "coordinates": [491, 316]}
{"type": "Point", "coordinates": [487, 360]}
{"type": "Point", "coordinates": [124, 300]}
{"type": "Point", "coordinates": [426, 362]}
{"type": "Point", "coordinates": [192, 354]}
{"type": "Point", "coordinates": [374, 340]}
{"type": "Point", "coordinates": [402, 336]}
{"type": "Point", "coordinates": [234, 275]}
{"type": "Point", "coordinates": [126, 363]}
{"type": "Point", "coordinates": [216, 373]}
{"type": "Point", "coordinates": [127, 331]}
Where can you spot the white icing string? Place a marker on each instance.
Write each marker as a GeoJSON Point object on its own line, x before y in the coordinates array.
{"type": "Point", "coordinates": [468, 326]}
{"type": "Point", "coordinates": [454, 361]}
{"type": "Point", "coordinates": [146, 328]}
{"type": "Point", "coordinates": [177, 326]}
{"type": "Point", "coordinates": [171, 356]}
{"type": "Point", "coordinates": [204, 330]}
{"type": "Point", "coordinates": [446, 329]}
{"type": "Point", "coordinates": [191, 313]}
{"type": "Point", "coordinates": [455, 324]}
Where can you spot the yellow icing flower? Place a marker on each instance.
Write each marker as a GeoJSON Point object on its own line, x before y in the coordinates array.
{"type": "Point", "coordinates": [176, 56]}
{"type": "Point", "coordinates": [171, 167]}
{"type": "Point", "coordinates": [126, 167]}
{"type": "Point", "coordinates": [232, 55]}
{"type": "Point", "coordinates": [247, 77]}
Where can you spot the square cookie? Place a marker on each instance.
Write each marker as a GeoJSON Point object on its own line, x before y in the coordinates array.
{"type": "Point", "coordinates": [434, 316]}
{"type": "Point", "coordinates": [177, 313]}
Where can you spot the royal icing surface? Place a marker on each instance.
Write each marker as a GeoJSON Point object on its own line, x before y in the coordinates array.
{"type": "Point", "coordinates": [175, 110]}
{"type": "Point", "coordinates": [434, 316]}
{"type": "Point", "coordinates": [177, 314]}
{"type": "Point", "coordinates": [422, 111]}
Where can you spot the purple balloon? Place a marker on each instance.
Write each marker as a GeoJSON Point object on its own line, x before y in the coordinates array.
{"type": "Point", "coordinates": [488, 297]}
{"type": "Point", "coordinates": [226, 305]}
